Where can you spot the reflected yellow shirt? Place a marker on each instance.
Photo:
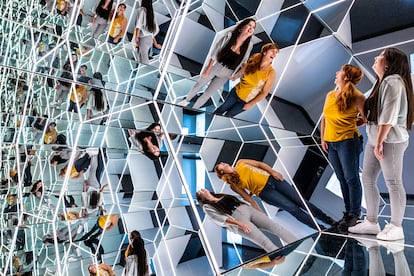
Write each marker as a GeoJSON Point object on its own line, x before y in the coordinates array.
{"type": "Point", "coordinates": [116, 26]}
{"type": "Point", "coordinates": [339, 126]}
{"type": "Point", "coordinates": [252, 84]}
{"type": "Point", "coordinates": [252, 178]}
{"type": "Point", "coordinates": [81, 93]}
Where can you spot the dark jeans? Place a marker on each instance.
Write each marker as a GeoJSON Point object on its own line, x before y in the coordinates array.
{"type": "Point", "coordinates": [232, 106]}
{"type": "Point", "coordinates": [282, 195]}
{"type": "Point", "coordinates": [82, 163]}
{"type": "Point", "coordinates": [344, 157]}
{"type": "Point", "coordinates": [355, 259]}
{"type": "Point", "coordinates": [73, 107]}
{"type": "Point", "coordinates": [111, 40]}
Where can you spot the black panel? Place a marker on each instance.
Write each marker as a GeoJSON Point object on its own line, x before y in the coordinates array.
{"type": "Point", "coordinates": [253, 151]}
{"type": "Point", "coordinates": [373, 18]}
{"type": "Point", "coordinates": [309, 172]}
{"type": "Point", "coordinates": [229, 152]}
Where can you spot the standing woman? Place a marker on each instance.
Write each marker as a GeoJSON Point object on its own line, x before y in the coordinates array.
{"type": "Point", "coordinates": [258, 78]}
{"type": "Point", "coordinates": [228, 54]}
{"type": "Point", "coordinates": [118, 26]}
{"type": "Point", "coordinates": [145, 31]}
{"type": "Point", "coordinates": [389, 110]}
{"type": "Point", "coordinates": [342, 140]}
{"type": "Point", "coordinates": [101, 17]}
{"type": "Point", "coordinates": [136, 257]}
{"type": "Point", "coordinates": [96, 104]}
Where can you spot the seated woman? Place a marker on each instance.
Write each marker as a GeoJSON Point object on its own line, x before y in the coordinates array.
{"type": "Point", "coordinates": [251, 177]}
{"type": "Point", "coordinates": [241, 218]}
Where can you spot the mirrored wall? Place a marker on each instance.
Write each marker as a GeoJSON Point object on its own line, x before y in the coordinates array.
{"type": "Point", "coordinates": [96, 143]}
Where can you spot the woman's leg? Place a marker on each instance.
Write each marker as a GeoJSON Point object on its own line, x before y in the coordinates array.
{"type": "Point", "coordinates": [228, 103]}
{"type": "Point", "coordinates": [262, 221]}
{"type": "Point", "coordinates": [392, 166]}
{"type": "Point", "coordinates": [236, 109]}
{"type": "Point", "coordinates": [370, 171]}
{"type": "Point", "coordinates": [203, 81]}
{"type": "Point", "coordinates": [255, 235]}
{"type": "Point", "coordinates": [222, 75]}
{"type": "Point", "coordinates": [280, 194]}
{"type": "Point", "coordinates": [83, 163]}
{"type": "Point", "coordinates": [348, 156]}
{"type": "Point", "coordinates": [145, 44]}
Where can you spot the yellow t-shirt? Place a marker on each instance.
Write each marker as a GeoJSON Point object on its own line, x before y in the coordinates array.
{"type": "Point", "coordinates": [80, 92]}
{"type": "Point", "coordinates": [251, 178]}
{"type": "Point", "coordinates": [116, 26]}
{"type": "Point", "coordinates": [50, 137]}
{"type": "Point", "coordinates": [73, 171]}
{"type": "Point", "coordinates": [339, 126]}
{"type": "Point", "coordinates": [252, 84]}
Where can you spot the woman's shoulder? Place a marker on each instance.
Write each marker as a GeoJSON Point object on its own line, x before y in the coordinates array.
{"type": "Point", "coordinates": [393, 79]}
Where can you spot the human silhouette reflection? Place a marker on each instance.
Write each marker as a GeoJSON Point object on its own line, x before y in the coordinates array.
{"type": "Point", "coordinates": [355, 259]}
{"type": "Point", "coordinates": [376, 263]}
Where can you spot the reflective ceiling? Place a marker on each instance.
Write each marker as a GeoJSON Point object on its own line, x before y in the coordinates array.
{"type": "Point", "coordinates": [42, 226]}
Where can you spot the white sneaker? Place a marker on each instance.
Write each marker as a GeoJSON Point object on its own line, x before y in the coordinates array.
{"type": "Point", "coordinates": [393, 247]}
{"type": "Point", "coordinates": [366, 241]}
{"type": "Point", "coordinates": [365, 227]}
{"type": "Point", "coordinates": [53, 104]}
{"type": "Point", "coordinates": [391, 233]}
{"type": "Point", "coordinates": [183, 103]}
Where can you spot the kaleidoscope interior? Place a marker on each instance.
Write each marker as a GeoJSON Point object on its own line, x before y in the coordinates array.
{"type": "Point", "coordinates": [41, 226]}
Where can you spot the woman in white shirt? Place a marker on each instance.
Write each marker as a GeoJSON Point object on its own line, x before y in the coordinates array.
{"type": "Point", "coordinates": [145, 31]}
{"type": "Point", "coordinates": [96, 106]}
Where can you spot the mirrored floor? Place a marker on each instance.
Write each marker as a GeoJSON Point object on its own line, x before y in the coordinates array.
{"type": "Point", "coordinates": [328, 253]}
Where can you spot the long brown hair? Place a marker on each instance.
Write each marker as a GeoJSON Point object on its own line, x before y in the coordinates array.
{"type": "Point", "coordinates": [353, 76]}
{"type": "Point", "coordinates": [230, 178]}
{"type": "Point", "coordinates": [138, 249]}
{"type": "Point", "coordinates": [397, 64]}
{"type": "Point", "coordinates": [147, 4]}
{"type": "Point", "coordinates": [219, 206]}
{"type": "Point", "coordinates": [232, 41]}
{"type": "Point", "coordinates": [254, 61]}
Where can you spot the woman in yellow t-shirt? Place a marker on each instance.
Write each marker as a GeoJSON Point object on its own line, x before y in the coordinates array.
{"type": "Point", "coordinates": [51, 134]}
{"type": "Point", "coordinates": [258, 77]}
{"type": "Point", "coordinates": [250, 177]}
{"type": "Point", "coordinates": [341, 139]}
{"type": "Point", "coordinates": [118, 25]}
{"type": "Point", "coordinates": [79, 96]}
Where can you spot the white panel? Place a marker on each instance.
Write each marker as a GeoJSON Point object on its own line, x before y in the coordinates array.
{"type": "Point", "coordinates": [139, 163]}
{"type": "Point", "coordinates": [194, 41]}
{"type": "Point", "coordinates": [138, 221]}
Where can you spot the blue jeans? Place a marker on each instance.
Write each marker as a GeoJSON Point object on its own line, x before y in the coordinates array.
{"type": "Point", "coordinates": [282, 195]}
{"type": "Point", "coordinates": [344, 157]}
{"type": "Point", "coordinates": [232, 106]}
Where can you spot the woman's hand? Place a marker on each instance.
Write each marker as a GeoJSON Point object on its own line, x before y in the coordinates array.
{"type": "Point", "coordinates": [324, 145]}
{"type": "Point", "coordinates": [277, 175]}
{"type": "Point", "coordinates": [244, 227]}
{"type": "Point", "coordinates": [379, 151]}
{"type": "Point", "coordinates": [206, 73]}
{"type": "Point", "coordinates": [247, 106]}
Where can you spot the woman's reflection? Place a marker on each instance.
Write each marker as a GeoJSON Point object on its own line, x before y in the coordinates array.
{"type": "Point", "coordinates": [250, 177]}
{"type": "Point", "coordinates": [376, 263]}
{"type": "Point", "coordinates": [241, 218]}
